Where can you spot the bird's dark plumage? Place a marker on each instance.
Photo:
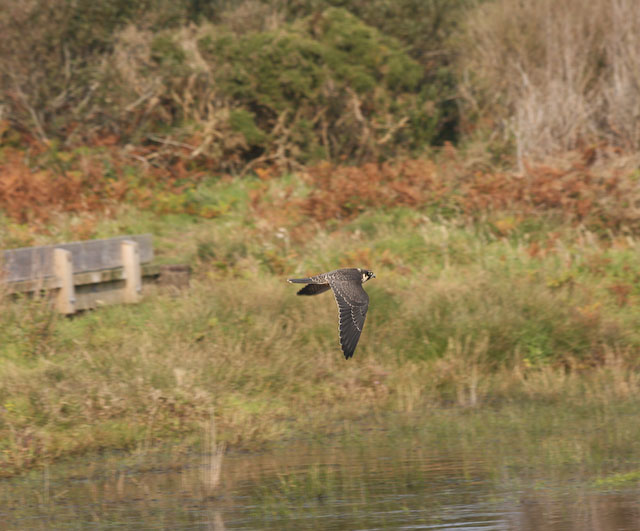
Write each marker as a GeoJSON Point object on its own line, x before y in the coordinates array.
{"type": "Point", "coordinates": [352, 299]}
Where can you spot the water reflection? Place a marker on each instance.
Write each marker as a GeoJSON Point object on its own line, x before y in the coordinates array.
{"type": "Point", "coordinates": [382, 484]}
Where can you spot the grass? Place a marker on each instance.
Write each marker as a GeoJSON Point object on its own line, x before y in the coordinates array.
{"type": "Point", "coordinates": [460, 314]}
{"type": "Point", "coordinates": [552, 91]}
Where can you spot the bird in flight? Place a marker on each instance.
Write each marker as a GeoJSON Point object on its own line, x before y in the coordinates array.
{"type": "Point", "coordinates": [352, 300]}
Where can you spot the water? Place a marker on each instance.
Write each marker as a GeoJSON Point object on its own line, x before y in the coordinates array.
{"type": "Point", "coordinates": [377, 481]}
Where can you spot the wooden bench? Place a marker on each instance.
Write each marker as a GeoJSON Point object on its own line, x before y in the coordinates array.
{"type": "Point", "coordinates": [82, 275]}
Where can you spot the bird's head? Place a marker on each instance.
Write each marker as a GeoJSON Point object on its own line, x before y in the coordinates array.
{"type": "Point", "coordinates": [367, 275]}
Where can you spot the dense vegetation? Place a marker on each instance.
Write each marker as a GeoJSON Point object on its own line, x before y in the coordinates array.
{"type": "Point", "coordinates": [485, 174]}
{"type": "Point", "coordinates": [480, 299]}
{"type": "Point", "coordinates": [236, 85]}
{"type": "Point", "coordinates": [248, 84]}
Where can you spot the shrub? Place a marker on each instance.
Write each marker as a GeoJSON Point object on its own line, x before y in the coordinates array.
{"type": "Point", "coordinates": [49, 54]}
{"type": "Point", "coordinates": [325, 87]}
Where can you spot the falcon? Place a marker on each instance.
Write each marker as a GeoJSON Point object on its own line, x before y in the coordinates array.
{"type": "Point", "coordinates": [351, 297]}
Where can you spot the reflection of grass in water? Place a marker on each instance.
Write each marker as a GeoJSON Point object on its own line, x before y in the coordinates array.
{"type": "Point", "coordinates": [212, 455]}
{"type": "Point", "coordinates": [315, 486]}
{"type": "Point", "coordinates": [423, 465]}
{"type": "Point", "coordinates": [323, 488]}
{"type": "Point", "coordinates": [621, 480]}
{"type": "Point", "coordinates": [540, 451]}
{"type": "Point", "coordinates": [530, 441]}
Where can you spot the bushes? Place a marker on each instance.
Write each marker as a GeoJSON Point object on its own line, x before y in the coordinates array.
{"type": "Point", "coordinates": [601, 198]}
{"type": "Point", "coordinates": [326, 86]}
{"type": "Point", "coordinates": [49, 58]}
{"type": "Point", "coordinates": [323, 87]}
{"type": "Point", "coordinates": [327, 79]}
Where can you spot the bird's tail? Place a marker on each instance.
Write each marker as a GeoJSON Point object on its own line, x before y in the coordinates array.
{"type": "Point", "coordinates": [299, 280]}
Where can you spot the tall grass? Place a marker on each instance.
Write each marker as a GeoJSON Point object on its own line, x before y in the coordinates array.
{"type": "Point", "coordinates": [555, 75]}
{"type": "Point", "coordinates": [459, 316]}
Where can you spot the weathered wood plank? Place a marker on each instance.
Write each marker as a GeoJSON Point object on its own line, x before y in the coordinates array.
{"type": "Point", "coordinates": [81, 279]}
{"type": "Point", "coordinates": [65, 298]}
{"type": "Point", "coordinates": [91, 296]}
{"type": "Point", "coordinates": [131, 265]}
{"type": "Point", "coordinates": [29, 263]}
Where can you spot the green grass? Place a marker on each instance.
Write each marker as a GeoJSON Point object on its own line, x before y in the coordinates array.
{"type": "Point", "coordinates": [458, 316]}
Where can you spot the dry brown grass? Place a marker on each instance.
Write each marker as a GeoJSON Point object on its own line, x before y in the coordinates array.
{"type": "Point", "coordinates": [34, 194]}
{"type": "Point", "coordinates": [596, 187]}
{"type": "Point", "coordinates": [38, 183]}
{"type": "Point", "coordinates": [555, 74]}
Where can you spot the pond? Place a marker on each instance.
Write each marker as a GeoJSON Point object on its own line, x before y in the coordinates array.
{"type": "Point", "coordinates": [371, 478]}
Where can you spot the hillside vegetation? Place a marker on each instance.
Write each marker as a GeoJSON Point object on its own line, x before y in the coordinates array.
{"type": "Point", "coordinates": [480, 299]}
{"type": "Point", "coordinates": [480, 157]}
{"type": "Point", "coordinates": [236, 85]}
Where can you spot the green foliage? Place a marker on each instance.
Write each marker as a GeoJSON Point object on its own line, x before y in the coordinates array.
{"type": "Point", "coordinates": [423, 26]}
{"type": "Point", "coordinates": [322, 79]}
{"type": "Point", "coordinates": [50, 55]}
{"type": "Point", "coordinates": [426, 30]}
{"type": "Point", "coordinates": [243, 122]}
{"type": "Point", "coordinates": [166, 52]}
{"type": "Point", "coordinates": [362, 57]}
{"type": "Point", "coordinates": [273, 71]}
{"type": "Point", "coordinates": [327, 85]}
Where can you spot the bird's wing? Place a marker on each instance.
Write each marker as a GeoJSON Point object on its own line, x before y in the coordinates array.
{"type": "Point", "coordinates": [313, 289]}
{"type": "Point", "coordinates": [353, 303]}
